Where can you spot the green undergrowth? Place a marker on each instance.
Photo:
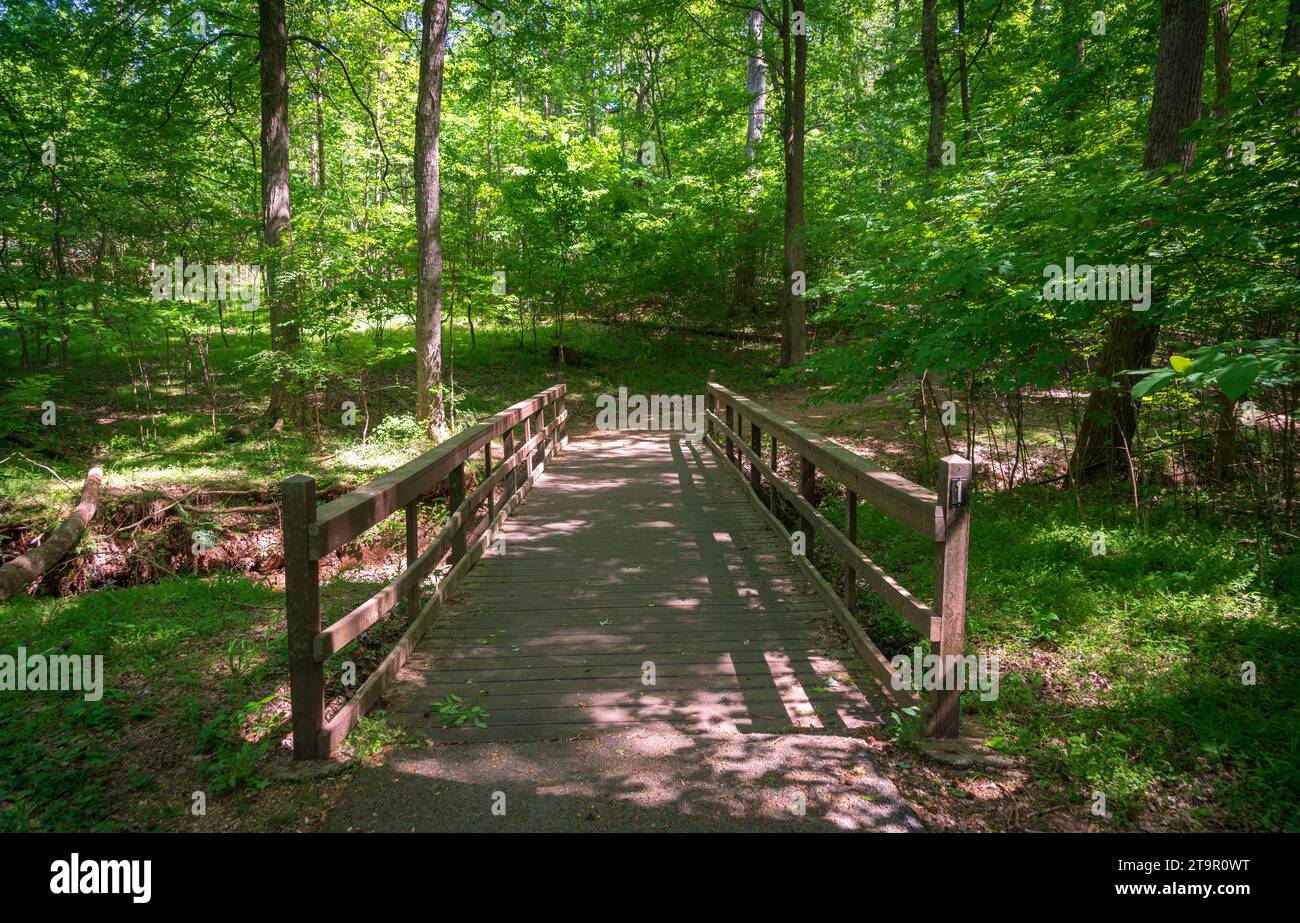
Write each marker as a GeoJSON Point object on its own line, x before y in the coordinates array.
{"type": "Point", "coordinates": [188, 665]}
{"type": "Point", "coordinates": [1122, 672]}
{"type": "Point", "coordinates": [168, 440]}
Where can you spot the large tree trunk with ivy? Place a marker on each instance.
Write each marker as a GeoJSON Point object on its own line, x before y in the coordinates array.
{"type": "Point", "coordinates": [794, 334]}
{"type": "Point", "coordinates": [428, 215]}
{"type": "Point", "coordinates": [1110, 418]}
{"type": "Point", "coordinates": [276, 228]}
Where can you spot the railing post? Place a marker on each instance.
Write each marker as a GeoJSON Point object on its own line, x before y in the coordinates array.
{"type": "Point", "coordinates": [807, 490]}
{"type": "Point", "coordinates": [710, 405]}
{"type": "Point", "coordinates": [487, 473]}
{"type": "Point", "coordinates": [953, 492]}
{"type": "Point", "coordinates": [731, 425]}
{"type": "Point", "coordinates": [455, 497]}
{"type": "Point", "coordinates": [507, 455]}
{"type": "Point", "coordinates": [412, 552]}
{"type": "Point", "coordinates": [771, 496]}
{"type": "Point", "coordinates": [528, 435]}
{"type": "Point", "coordinates": [562, 431]}
{"type": "Point", "coordinates": [302, 615]}
{"type": "Point", "coordinates": [741, 460]}
{"type": "Point", "coordinates": [850, 575]}
{"type": "Point", "coordinates": [755, 443]}
{"type": "Point", "coordinates": [539, 454]}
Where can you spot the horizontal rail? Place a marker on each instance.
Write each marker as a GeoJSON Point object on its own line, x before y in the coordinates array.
{"type": "Point", "coordinates": [337, 727]}
{"type": "Point", "coordinates": [942, 514]}
{"type": "Point", "coordinates": [341, 520]}
{"type": "Point", "coordinates": [911, 504]}
{"type": "Point", "coordinates": [310, 532]}
{"type": "Point", "coordinates": [333, 638]}
{"type": "Point", "coordinates": [891, 591]}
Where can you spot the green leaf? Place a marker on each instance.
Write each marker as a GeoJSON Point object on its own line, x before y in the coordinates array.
{"type": "Point", "coordinates": [1180, 364]}
{"type": "Point", "coordinates": [1151, 382]}
{"type": "Point", "coordinates": [1237, 378]}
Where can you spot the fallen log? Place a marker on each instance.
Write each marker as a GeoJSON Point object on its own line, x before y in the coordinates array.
{"type": "Point", "coordinates": [23, 570]}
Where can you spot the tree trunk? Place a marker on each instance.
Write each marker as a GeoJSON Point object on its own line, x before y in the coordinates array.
{"type": "Point", "coordinates": [1110, 418]}
{"type": "Point", "coordinates": [428, 212]}
{"type": "Point", "coordinates": [963, 70]}
{"type": "Point", "coordinates": [273, 40]}
{"type": "Point", "coordinates": [1291, 40]}
{"type": "Point", "coordinates": [320, 126]}
{"type": "Point", "coordinates": [756, 83]}
{"type": "Point", "coordinates": [936, 87]}
{"type": "Point", "coordinates": [1222, 57]}
{"type": "Point", "coordinates": [794, 335]}
{"type": "Point", "coordinates": [1225, 437]}
{"type": "Point", "coordinates": [1180, 68]}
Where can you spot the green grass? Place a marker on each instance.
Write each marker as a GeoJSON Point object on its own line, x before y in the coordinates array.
{"type": "Point", "coordinates": [170, 442]}
{"type": "Point", "coordinates": [1122, 672]}
{"type": "Point", "coordinates": [1149, 648]}
{"type": "Point", "coordinates": [191, 661]}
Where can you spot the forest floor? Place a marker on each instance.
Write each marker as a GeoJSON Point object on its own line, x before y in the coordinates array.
{"type": "Point", "coordinates": [1121, 673]}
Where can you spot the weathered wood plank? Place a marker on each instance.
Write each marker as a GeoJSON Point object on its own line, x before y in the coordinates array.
{"type": "Point", "coordinates": [866, 648]}
{"type": "Point", "coordinates": [890, 590]}
{"type": "Point", "coordinates": [909, 503]}
{"type": "Point", "coordinates": [369, 692]}
{"type": "Point", "coordinates": [342, 520]}
{"type": "Point", "coordinates": [643, 534]}
{"type": "Point", "coordinates": [950, 595]}
{"type": "Point", "coordinates": [408, 581]}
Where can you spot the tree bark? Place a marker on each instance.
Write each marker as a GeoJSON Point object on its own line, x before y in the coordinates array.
{"type": "Point", "coordinates": [1225, 438]}
{"type": "Point", "coordinates": [794, 335]}
{"type": "Point", "coordinates": [756, 83]}
{"type": "Point", "coordinates": [428, 213]}
{"type": "Point", "coordinates": [1110, 418]}
{"type": "Point", "coordinates": [1180, 68]}
{"type": "Point", "coordinates": [276, 226]}
{"type": "Point", "coordinates": [320, 126]}
{"type": "Point", "coordinates": [963, 70]}
{"type": "Point", "coordinates": [935, 85]}
{"type": "Point", "coordinates": [19, 573]}
{"type": "Point", "coordinates": [1291, 39]}
{"type": "Point", "coordinates": [1222, 57]}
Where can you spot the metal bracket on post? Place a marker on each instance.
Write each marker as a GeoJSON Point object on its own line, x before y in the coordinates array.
{"type": "Point", "coordinates": [958, 492]}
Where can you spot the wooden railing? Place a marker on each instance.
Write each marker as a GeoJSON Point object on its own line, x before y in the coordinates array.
{"type": "Point", "coordinates": [943, 516]}
{"type": "Point", "coordinates": [310, 533]}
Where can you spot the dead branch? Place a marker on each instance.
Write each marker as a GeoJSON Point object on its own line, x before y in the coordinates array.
{"type": "Point", "coordinates": [25, 569]}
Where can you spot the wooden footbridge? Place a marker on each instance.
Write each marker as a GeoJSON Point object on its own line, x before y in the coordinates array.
{"type": "Point", "coordinates": [648, 580]}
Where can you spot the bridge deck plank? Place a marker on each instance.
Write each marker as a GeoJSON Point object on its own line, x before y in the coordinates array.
{"type": "Point", "coordinates": [636, 548]}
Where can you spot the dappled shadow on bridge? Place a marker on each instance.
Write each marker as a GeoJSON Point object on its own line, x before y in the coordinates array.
{"type": "Point", "coordinates": [650, 594]}
{"type": "Point", "coordinates": [648, 779]}
{"type": "Point", "coordinates": [646, 654]}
